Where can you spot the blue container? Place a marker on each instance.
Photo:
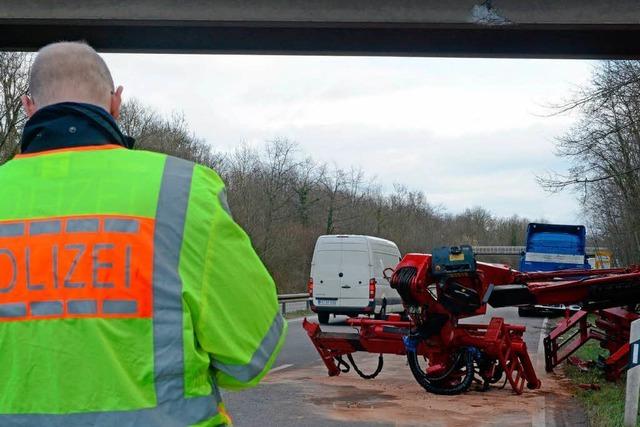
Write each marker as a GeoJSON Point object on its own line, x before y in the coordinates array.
{"type": "Point", "coordinates": [552, 247]}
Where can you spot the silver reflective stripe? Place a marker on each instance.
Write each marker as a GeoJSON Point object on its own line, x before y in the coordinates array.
{"type": "Point", "coordinates": [119, 307]}
{"type": "Point", "coordinates": [222, 196]}
{"type": "Point", "coordinates": [178, 413]}
{"type": "Point", "coordinates": [246, 373]}
{"type": "Point", "coordinates": [82, 307]}
{"type": "Point", "coordinates": [82, 225]}
{"type": "Point", "coordinates": [46, 308]}
{"type": "Point", "coordinates": [13, 310]}
{"type": "Point", "coordinates": [121, 225]}
{"type": "Point", "coordinates": [167, 285]}
{"type": "Point", "coordinates": [11, 230]}
{"type": "Point", "coordinates": [45, 227]}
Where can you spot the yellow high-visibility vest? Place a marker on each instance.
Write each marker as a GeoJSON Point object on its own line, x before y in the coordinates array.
{"type": "Point", "coordinates": [128, 295]}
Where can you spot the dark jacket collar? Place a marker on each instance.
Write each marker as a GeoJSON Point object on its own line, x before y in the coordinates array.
{"type": "Point", "coordinates": [69, 125]}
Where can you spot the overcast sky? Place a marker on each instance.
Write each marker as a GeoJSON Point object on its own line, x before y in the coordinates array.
{"type": "Point", "coordinates": [468, 132]}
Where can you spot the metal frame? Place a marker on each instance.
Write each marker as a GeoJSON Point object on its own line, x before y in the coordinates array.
{"type": "Point", "coordinates": [437, 295]}
{"type": "Point", "coordinates": [514, 28]}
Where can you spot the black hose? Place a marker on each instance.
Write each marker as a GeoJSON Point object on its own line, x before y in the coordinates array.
{"type": "Point", "coordinates": [496, 375]}
{"type": "Point", "coordinates": [504, 384]}
{"type": "Point", "coordinates": [342, 365]}
{"type": "Point", "coordinates": [363, 375]}
{"type": "Point", "coordinates": [440, 386]}
{"type": "Point", "coordinates": [401, 282]}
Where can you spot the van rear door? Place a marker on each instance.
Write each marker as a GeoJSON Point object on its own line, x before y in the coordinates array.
{"type": "Point", "coordinates": [356, 273]}
{"type": "Point", "coordinates": [327, 262]}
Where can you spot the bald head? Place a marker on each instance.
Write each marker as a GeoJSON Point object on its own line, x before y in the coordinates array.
{"type": "Point", "coordinates": [70, 71]}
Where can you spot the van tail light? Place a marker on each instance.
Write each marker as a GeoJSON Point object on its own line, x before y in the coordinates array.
{"type": "Point", "coordinates": [372, 289]}
{"type": "Point", "coordinates": [310, 287]}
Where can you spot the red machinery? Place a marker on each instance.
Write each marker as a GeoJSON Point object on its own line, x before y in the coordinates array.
{"type": "Point", "coordinates": [446, 357]}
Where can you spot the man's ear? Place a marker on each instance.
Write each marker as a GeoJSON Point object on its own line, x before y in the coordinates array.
{"type": "Point", "coordinates": [29, 105]}
{"type": "Point", "coordinates": [116, 103]}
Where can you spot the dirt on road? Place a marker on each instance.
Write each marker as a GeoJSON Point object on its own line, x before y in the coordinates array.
{"type": "Point", "coordinates": [394, 398]}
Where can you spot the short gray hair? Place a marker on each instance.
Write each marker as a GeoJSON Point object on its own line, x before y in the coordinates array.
{"type": "Point", "coordinates": [70, 71]}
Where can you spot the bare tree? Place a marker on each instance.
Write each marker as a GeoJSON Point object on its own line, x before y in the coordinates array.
{"type": "Point", "coordinates": [166, 135]}
{"type": "Point", "coordinates": [14, 82]}
{"type": "Point", "coordinates": [604, 151]}
{"type": "Point", "coordinates": [278, 176]}
{"type": "Point", "coordinates": [305, 181]}
{"type": "Point", "coordinates": [334, 183]}
{"type": "Point", "coordinates": [140, 122]}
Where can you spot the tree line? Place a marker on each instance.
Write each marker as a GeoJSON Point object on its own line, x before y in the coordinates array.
{"type": "Point", "coordinates": [604, 150]}
{"type": "Point", "coordinates": [282, 198]}
{"type": "Point", "coordinates": [285, 200]}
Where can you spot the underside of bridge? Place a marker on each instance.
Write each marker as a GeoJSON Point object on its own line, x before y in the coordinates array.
{"type": "Point", "coordinates": [498, 28]}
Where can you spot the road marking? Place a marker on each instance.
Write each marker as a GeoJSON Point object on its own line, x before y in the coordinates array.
{"type": "Point", "coordinates": [540, 356]}
{"type": "Point", "coordinates": [281, 367]}
{"type": "Point", "coordinates": [539, 417]}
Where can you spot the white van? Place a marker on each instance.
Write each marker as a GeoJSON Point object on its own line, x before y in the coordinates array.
{"type": "Point", "coordinates": [347, 276]}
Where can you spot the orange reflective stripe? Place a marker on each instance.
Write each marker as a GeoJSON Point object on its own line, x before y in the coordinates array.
{"type": "Point", "coordinates": [62, 150]}
{"type": "Point", "coordinates": [89, 266]}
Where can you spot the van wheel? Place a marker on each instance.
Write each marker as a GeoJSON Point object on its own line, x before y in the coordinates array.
{"type": "Point", "coordinates": [323, 318]}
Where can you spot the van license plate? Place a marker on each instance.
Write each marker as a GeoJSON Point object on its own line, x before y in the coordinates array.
{"type": "Point", "coordinates": [326, 301]}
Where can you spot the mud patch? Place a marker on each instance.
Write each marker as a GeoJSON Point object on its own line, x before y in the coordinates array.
{"type": "Point", "coordinates": [395, 398]}
{"type": "Point", "coordinates": [348, 397]}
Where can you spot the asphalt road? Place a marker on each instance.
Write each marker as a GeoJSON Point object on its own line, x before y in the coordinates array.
{"type": "Point", "coordinates": [278, 404]}
{"type": "Point", "coordinates": [298, 350]}
{"type": "Point", "coordinates": [296, 392]}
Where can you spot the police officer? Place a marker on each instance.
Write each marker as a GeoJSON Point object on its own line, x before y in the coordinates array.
{"type": "Point", "coordinates": [128, 295]}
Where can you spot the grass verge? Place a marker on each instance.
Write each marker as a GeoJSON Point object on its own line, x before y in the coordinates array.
{"type": "Point", "coordinates": [605, 407]}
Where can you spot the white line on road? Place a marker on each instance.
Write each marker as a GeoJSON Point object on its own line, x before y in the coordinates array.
{"type": "Point", "coordinates": [539, 418]}
{"type": "Point", "coordinates": [540, 356]}
{"type": "Point", "coordinates": [281, 367]}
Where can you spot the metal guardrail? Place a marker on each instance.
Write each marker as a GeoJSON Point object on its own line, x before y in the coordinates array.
{"type": "Point", "coordinates": [517, 250]}
{"type": "Point", "coordinates": [498, 250]}
{"type": "Point", "coordinates": [292, 298]}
